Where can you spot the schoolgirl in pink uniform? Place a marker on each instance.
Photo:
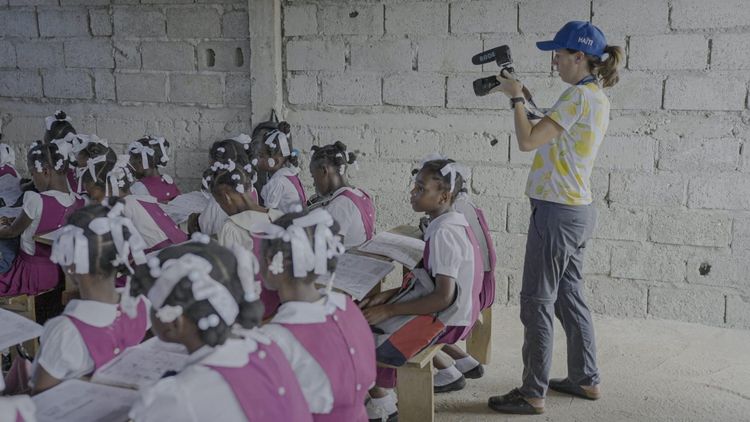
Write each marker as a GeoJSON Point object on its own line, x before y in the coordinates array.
{"type": "Point", "coordinates": [59, 127]}
{"type": "Point", "coordinates": [440, 302]}
{"type": "Point", "coordinates": [199, 291]}
{"type": "Point", "coordinates": [147, 155]}
{"type": "Point", "coordinates": [323, 334]}
{"type": "Point", "coordinates": [44, 211]}
{"type": "Point", "coordinates": [275, 155]}
{"type": "Point", "coordinates": [96, 243]}
{"type": "Point", "coordinates": [352, 208]}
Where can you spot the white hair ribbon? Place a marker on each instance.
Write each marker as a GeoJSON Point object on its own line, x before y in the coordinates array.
{"type": "Point", "coordinates": [198, 271]}
{"type": "Point", "coordinates": [133, 246]}
{"type": "Point", "coordinates": [71, 247]}
{"type": "Point", "coordinates": [80, 141]}
{"type": "Point", "coordinates": [49, 120]}
{"type": "Point", "coordinates": [251, 172]}
{"type": "Point", "coordinates": [243, 139]}
{"type": "Point", "coordinates": [433, 156]}
{"type": "Point", "coordinates": [306, 256]}
{"type": "Point", "coordinates": [139, 148]}
{"type": "Point", "coordinates": [450, 168]}
{"type": "Point", "coordinates": [283, 140]}
{"type": "Point", "coordinates": [164, 155]}
{"type": "Point", "coordinates": [117, 176]}
{"type": "Point", "coordinates": [91, 168]}
{"type": "Point", "coordinates": [65, 146]}
{"type": "Point", "coordinates": [228, 166]}
{"type": "Point", "coordinates": [7, 155]}
{"type": "Point", "coordinates": [247, 268]}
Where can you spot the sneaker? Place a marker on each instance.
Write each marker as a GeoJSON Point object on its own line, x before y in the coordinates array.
{"type": "Point", "coordinates": [513, 403]}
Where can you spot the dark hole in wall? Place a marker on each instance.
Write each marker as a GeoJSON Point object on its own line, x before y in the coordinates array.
{"type": "Point", "coordinates": [494, 142]}
{"type": "Point", "coordinates": [353, 14]}
{"type": "Point", "coordinates": [704, 269]}
{"type": "Point", "coordinates": [239, 58]}
{"type": "Point", "coordinates": [210, 57]}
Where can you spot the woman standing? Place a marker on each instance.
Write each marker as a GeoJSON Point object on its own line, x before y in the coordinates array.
{"type": "Point", "coordinates": [562, 220]}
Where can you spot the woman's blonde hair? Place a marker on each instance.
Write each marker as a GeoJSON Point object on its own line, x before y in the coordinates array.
{"type": "Point", "coordinates": [606, 70]}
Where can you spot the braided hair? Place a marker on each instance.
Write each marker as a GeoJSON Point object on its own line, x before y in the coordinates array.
{"type": "Point", "coordinates": [334, 155]}
{"type": "Point", "coordinates": [229, 149]}
{"type": "Point", "coordinates": [159, 146]}
{"type": "Point", "coordinates": [273, 246]}
{"type": "Point", "coordinates": [434, 169]}
{"type": "Point", "coordinates": [102, 251]}
{"type": "Point", "coordinates": [58, 126]}
{"type": "Point", "coordinates": [42, 155]}
{"type": "Point", "coordinates": [274, 140]}
{"type": "Point", "coordinates": [225, 268]}
{"type": "Point", "coordinates": [231, 174]}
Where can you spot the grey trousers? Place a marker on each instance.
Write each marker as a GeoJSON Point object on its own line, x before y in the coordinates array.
{"type": "Point", "coordinates": [552, 281]}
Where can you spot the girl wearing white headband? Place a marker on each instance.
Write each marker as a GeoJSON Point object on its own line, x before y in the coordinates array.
{"type": "Point", "coordinates": [147, 155]}
{"type": "Point", "coordinates": [96, 244]}
{"type": "Point", "coordinates": [199, 291]}
{"type": "Point", "coordinates": [92, 160]}
{"type": "Point", "coordinates": [351, 207]}
{"type": "Point", "coordinates": [213, 217]}
{"type": "Point", "coordinates": [111, 182]}
{"type": "Point", "coordinates": [10, 182]}
{"type": "Point", "coordinates": [276, 156]}
{"type": "Point", "coordinates": [442, 312]}
{"type": "Point", "coordinates": [57, 126]}
{"type": "Point", "coordinates": [323, 334]}
{"type": "Point", "coordinates": [46, 210]}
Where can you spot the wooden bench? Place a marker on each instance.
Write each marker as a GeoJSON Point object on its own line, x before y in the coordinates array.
{"type": "Point", "coordinates": [38, 308]}
{"type": "Point", "coordinates": [414, 386]}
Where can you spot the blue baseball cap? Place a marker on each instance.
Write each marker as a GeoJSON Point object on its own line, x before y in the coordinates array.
{"type": "Point", "coordinates": [577, 35]}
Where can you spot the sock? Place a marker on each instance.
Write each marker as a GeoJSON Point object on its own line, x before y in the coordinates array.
{"type": "Point", "coordinates": [446, 376]}
{"type": "Point", "coordinates": [381, 408]}
{"type": "Point", "coordinates": [466, 364]}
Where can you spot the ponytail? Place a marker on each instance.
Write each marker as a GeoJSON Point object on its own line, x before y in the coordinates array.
{"type": "Point", "coordinates": [606, 70]}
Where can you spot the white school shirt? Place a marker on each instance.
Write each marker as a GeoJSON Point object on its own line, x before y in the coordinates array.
{"type": "Point", "coordinates": [467, 208]}
{"type": "Point", "coordinates": [11, 406]}
{"type": "Point", "coordinates": [32, 207]}
{"type": "Point", "coordinates": [316, 387]}
{"type": "Point", "coordinates": [212, 219]}
{"type": "Point", "coordinates": [280, 193]}
{"type": "Point", "coordinates": [198, 393]}
{"type": "Point", "coordinates": [236, 229]}
{"type": "Point", "coordinates": [344, 212]}
{"type": "Point", "coordinates": [63, 353]}
{"type": "Point", "coordinates": [142, 220]}
{"type": "Point", "coordinates": [452, 255]}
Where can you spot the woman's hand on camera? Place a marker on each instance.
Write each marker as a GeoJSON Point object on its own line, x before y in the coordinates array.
{"type": "Point", "coordinates": [510, 87]}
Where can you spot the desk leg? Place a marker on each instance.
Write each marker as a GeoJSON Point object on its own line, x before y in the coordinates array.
{"type": "Point", "coordinates": [416, 400]}
{"type": "Point", "coordinates": [479, 343]}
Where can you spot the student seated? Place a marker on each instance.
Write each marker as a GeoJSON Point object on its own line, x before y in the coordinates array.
{"type": "Point", "coordinates": [275, 155]}
{"type": "Point", "coordinates": [147, 155]}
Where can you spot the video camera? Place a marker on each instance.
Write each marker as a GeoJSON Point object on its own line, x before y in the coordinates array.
{"type": "Point", "coordinates": [483, 86]}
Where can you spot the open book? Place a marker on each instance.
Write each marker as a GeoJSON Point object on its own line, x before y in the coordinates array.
{"type": "Point", "coordinates": [77, 400]}
{"type": "Point", "coordinates": [15, 329]}
{"type": "Point", "coordinates": [356, 275]}
{"type": "Point", "coordinates": [404, 249]}
{"type": "Point", "coordinates": [142, 365]}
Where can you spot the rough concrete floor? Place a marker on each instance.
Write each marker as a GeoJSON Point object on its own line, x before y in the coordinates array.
{"type": "Point", "coordinates": [652, 370]}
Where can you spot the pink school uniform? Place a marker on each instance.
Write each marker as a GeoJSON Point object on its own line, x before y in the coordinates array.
{"type": "Point", "coordinates": [331, 349]}
{"type": "Point", "coordinates": [88, 335]}
{"type": "Point", "coordinates": [354, 211]}
{"type": "Point", "coordinates": [452, 250]}
{"type": "Point", "coordinates": [160, 187]}
{"type": "Point", "coordinates": [32, 271]}
{"type": "Point", "coordinates": [156, 228]}
{"type": "Point", "coordinates": [8, 169]}
{"type": "Point", "coordinates": [480, 228]}
{"type": "Point", "coordinates": [245, 379]}
{"type": "Point", "coordinates": [284, 190]}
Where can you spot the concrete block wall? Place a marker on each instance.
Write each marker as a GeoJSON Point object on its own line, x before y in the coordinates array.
{"type": "Point", "coordinates": [123, 69]}
{"type": "Point", "coordinates": [392, 79]}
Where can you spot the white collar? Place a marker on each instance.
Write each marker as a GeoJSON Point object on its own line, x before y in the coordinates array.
{"type": "Point", "coordinates": [286, 171]}
{"type": "Point", "coordinates": [235, 352]}
{"type": "Point", "coordinates": [343, 189]}
{"type": "Point", "coordinates": [309, 313]}
{"type": "Point", "coordinates": [246, 219]}
{"type": "Point", "coordinates": [451, 217]}
{"type": "Point", "coordinates": [60, 195]}
{"type": "Point", "coordinates": [98, 314]}
{"type": "Point", "coordinates": [199, 355]}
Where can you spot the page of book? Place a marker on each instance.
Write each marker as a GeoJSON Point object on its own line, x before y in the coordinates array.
{"type": "Point", "coordinates": [15, 329]}
{"type": "Point", "coordinates": [404, 249]}
{"type": "Point", "coordinates": [180, 208]}
{"type": "Point", "coordinates": [356, 275]}
{"type": "Point", "coordinates": [139, 367]}
{"type": "Point", "coordinates": [77, 400]}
